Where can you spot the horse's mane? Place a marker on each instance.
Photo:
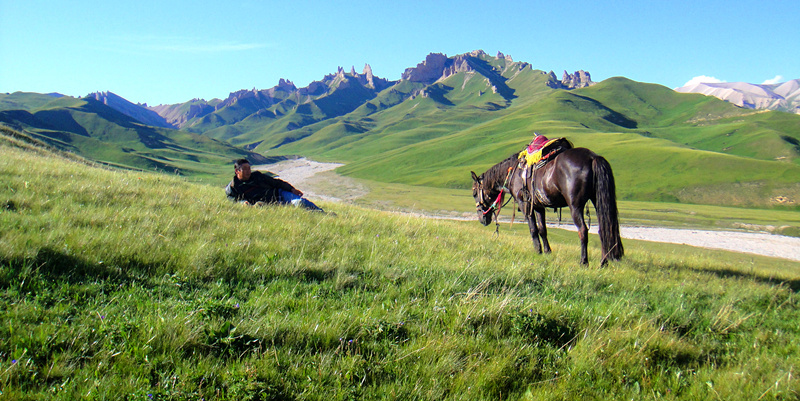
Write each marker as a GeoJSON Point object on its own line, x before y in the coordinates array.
{"type": "Point", "coordinates": [499, 171]}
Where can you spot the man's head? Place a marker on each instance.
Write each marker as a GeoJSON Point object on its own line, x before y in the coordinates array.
{"type": "Point", "coordinates": [242, 169]}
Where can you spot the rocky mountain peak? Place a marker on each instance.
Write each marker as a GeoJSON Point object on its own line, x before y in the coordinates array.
{"type": "Point", "coordinates": [366, 78]}
{"type": "Point", "coordinates": [265, 97]}
{"type": "Point", "coordinates": [354, 86]}
{"type": "Point", "coordinates": [438, 66]}
{"type": "Point", "coordinates": [506, 57]}
{"type": "Point", "coordinates": [427, 71]}
{"type": "Point", "coordinates": [368, 75]}
{"type": "Point", "coordinates": [368, 71]}
{"type": "Point", "coordinates": [106, 96]}
{"type": "Point", "coordinates": [580, 79]}
{"type": "Point", "coordinates": [285, 84]}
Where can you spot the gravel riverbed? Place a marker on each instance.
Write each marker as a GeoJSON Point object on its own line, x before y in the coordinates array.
{"type": "Point", "coordinates": [305, 175]}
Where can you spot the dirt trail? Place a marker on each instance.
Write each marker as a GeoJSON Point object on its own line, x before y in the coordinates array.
{"type": "Point", "coordinates": [313, 178]}
{"type": "Point", "coordinates": [316, 179]}
{"type": "Point", "coordinates": [778, 246]}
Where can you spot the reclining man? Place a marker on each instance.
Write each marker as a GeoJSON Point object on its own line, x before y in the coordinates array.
{"type": "Point", "coordinates": [256, 188]}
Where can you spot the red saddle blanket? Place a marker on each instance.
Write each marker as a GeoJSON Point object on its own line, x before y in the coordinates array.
{"type": "Point", "coordinates": [543, 150]}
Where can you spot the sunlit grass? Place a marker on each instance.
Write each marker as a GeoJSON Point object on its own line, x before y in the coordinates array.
{"type": "Point", "coordinates": [119, 285]}
{"type": "Point", "coordinates": [459, 204]}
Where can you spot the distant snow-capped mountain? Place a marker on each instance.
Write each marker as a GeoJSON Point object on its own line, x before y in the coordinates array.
{"type": "Point", "coordinates": [783, 97]}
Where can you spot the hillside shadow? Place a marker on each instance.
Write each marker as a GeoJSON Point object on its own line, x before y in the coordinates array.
{"type": "Point", "coordinates": [60, 120]}
{"type": "Point", "coordinates": [56, 265]}
{"type": "Point", "coordinates": [151, 138]}
{"type": "Point", "coordinates": [437, 92]}
{"type": "Point", "coordinates": [611, 115]}
{"type": "Point", "coordinates": [497, 80]}
{"type": "Point", "coordinates": [793, 285]}
{"type": "Point", "coordinates": [792, 141]}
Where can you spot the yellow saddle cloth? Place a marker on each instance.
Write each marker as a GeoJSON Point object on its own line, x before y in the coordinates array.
{"type": "Point", "coordinates": [532, 158]}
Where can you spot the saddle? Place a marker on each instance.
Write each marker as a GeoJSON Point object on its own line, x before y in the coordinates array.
{"type": "Point", "coordinates": [531, 160]}
{"type": "Point", "coordinates": [537, 158]}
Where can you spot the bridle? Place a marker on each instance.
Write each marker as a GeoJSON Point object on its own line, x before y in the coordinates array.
{"type": "Point", "coordinates": [495, 205]}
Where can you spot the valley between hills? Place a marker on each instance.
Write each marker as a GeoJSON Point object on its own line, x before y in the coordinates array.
{"type": "Point", "coordinates": [320, 183]}
{"type": "Point", "coordinates": [444, 117]}
{"type": "Point", "coordinates": [126, 273]}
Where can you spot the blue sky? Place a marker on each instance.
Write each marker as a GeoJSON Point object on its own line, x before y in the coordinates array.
{"type": "Point", "coordinates": [172, 51]}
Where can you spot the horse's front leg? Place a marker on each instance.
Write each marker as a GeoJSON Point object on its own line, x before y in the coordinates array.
{"type": "Point", "coordinates": [534, 229]}
{"type": "Point", "coordinates": [583, 231]}
{"type": "Point", "coordinates": [540, 222]}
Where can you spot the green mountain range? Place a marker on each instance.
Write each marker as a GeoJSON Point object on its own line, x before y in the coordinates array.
{"type": "Point", "coordinates": [449, 115]}
{"type": "Point", "coordinates": [92, 129]}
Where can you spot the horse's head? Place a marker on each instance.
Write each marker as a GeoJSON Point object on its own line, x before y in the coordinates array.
{"type": "Point", "coordinates": [483, 199]}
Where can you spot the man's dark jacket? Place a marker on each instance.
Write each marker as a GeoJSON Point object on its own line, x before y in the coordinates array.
{"type": "Point", "coordinates": [260, 187]}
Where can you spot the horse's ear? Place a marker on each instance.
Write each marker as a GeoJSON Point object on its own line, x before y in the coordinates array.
{"type": "Point", "coordinates": [475, 177]}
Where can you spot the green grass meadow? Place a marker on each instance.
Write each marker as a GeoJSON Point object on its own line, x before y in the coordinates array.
{"type": "Point", "coordinates": [123, 285]}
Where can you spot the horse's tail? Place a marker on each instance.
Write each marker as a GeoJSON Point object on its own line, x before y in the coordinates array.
{"type": "Point", "coordinates": [606, 205]}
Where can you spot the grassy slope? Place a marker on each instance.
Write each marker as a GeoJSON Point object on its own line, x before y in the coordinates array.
{"type": "Point", "coordinates": [102, 134]}
{"type": "Point", "coordinates": [663, 149]}
{"type": "Point", "coordinates": [645, 168]}
{"type": "Point", "coordinates": [458, 203]}
{"type": "Point", "coordinates": [273, 124]}
{"type": "Point", "coordinates": [24, 101]}
{"type": "Point", "coordinates": [664, 146]}
{"type": "Point", "coordinates": [702, 122]}
{"type": "Point", "coordinates": [458, 107]}
{"type": "Point", "coordinates": [119, 284]}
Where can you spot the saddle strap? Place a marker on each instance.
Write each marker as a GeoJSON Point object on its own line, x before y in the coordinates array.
{"type": "Point", "coordinates": [548, 157]}
{"type": "Point", "coordinates": [535, 197]}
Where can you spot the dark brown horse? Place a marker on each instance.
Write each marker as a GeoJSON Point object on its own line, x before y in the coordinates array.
{"type": "Point", "coordinates": [573, 178]}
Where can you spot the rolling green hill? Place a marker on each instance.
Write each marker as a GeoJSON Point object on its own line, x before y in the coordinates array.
{"type": "Point", "coordinates": [95, 131]}
{"type": "Point", "coordinates": [450, 115]}
{"type": "Point", "coordinates": [129, 285]}
{"type": "Point", "coordinates": [663, 145]}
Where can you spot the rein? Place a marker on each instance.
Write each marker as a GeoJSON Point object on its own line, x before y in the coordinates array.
{"type": "Point", "coordinates": [495, 203]}
{"type": "Point", "coordinates": [499, 201]}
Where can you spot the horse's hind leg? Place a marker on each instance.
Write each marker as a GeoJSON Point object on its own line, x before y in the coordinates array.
{"type": "Point", "coordinates": [583, 231]}
{"type": "Point", "coordinates": [540, 222]}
